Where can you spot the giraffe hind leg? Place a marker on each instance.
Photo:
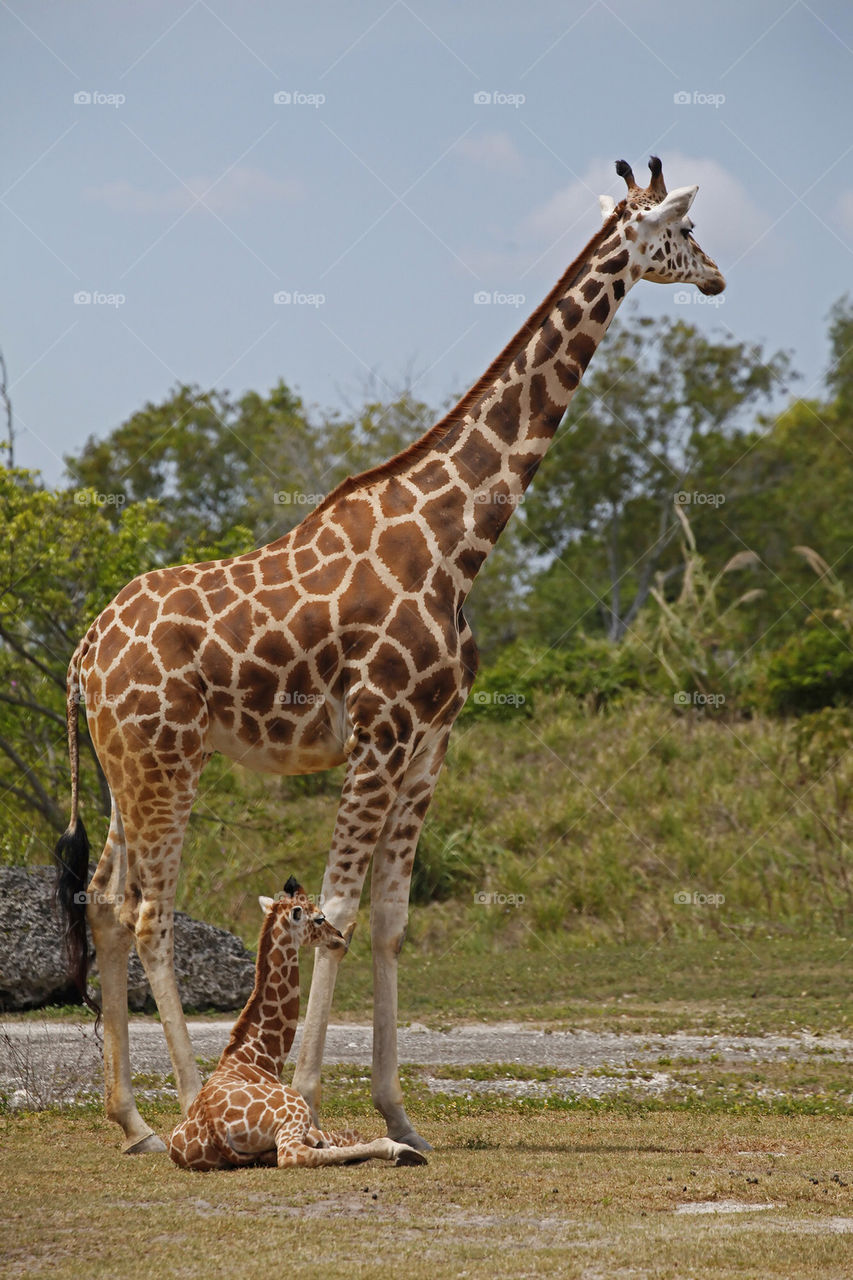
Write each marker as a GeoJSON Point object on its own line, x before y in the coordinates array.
{"type": "Point", "coordinates": [113, 942]}
{"type": "Point", "coordinates": [292, 1150]}
{"type": "Point", "coordinates": [155, 836]}
{"type": "Point", "coordinates": [188, 1149]}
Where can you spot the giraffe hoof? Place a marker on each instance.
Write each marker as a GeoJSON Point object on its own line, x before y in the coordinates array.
{"type": "Point", "coordinates": [408, 1155]}
{"type": "Point", "coordinates": [145, 1146]}
{"type": "Point", "coordinates": [414, 1140]}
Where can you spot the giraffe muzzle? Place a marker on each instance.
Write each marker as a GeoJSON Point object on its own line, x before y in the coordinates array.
{"type": "Point", "coordinates": [714, 286]}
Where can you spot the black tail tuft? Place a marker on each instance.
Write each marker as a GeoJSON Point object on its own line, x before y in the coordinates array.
{"type": "Point", "coordinates": [72, 878]}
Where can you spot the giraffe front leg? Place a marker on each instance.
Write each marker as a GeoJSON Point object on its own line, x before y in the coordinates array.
{"type": "Point", "coordinates": [389, 897]}
{"type": "Point", "coordinates": [369, 792]}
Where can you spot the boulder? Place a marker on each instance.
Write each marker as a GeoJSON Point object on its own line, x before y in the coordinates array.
{"type": "Point", "coordinates": [214, 969]}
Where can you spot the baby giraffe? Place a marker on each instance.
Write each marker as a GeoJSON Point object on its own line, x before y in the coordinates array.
{"type": "Point", "coordinates": [244, 1114]}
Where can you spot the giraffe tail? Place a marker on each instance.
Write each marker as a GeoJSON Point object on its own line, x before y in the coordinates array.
{"type": "Point", "coordinates": [72, 856]}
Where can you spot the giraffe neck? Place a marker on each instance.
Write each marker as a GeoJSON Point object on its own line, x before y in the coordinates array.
{"type": "Point", "coordinates": [495, 438]}
{"type": "Point", "coordinates": [263, 1034]}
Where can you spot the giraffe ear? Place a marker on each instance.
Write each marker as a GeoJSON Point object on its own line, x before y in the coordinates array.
{"type": "Point", "coordinates": [267, 905]}
{"type": "Point", "coordinates": [673, 207]}
{"type": "Point", "coordinates": [607, 204]}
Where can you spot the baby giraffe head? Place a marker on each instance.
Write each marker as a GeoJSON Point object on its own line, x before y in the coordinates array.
{"type": "Point", "coordinates": [659, 232]}
{"type": "Point", "coordinates": [291, 916]}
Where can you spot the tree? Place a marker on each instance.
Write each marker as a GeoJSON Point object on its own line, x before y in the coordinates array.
{"type": "Point", "coordinates": [61, 561]}
{"type": "Point", "coordinates": [643, 427]}
{"type": "Point", "coordinates": [239, 473]}
{"type": "Point", "coordinates": [210, 463]}
{"type": "Point", "coordinates": [790, 484]}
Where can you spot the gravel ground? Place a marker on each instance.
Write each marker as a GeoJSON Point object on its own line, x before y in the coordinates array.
{"type": "Point", "coordinates": [44, 1062]}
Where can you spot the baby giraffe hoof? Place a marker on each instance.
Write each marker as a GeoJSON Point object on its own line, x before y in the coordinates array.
{"type": "Point", "coordinates": [408, 1155]}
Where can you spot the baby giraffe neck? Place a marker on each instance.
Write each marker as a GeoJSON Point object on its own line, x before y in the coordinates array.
{"type": "Point", "coordinates": [263, 1034]}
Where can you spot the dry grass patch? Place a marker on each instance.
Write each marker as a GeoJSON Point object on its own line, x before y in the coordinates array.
{"type": "Point", "coordinates": [573, 1194]}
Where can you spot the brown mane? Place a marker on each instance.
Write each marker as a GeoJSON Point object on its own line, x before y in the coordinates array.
{"type": "Point", "coordinates": [422, 446]}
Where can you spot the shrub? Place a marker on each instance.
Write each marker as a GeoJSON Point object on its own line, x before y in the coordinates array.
{"type": "Point", "coordinates": [813, 669]}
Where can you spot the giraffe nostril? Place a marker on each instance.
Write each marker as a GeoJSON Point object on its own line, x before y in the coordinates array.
{"type": "Point", "coordinates": [714, 286]}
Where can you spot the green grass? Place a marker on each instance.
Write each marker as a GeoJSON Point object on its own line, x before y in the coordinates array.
{"type": "Point", "coordinates": [777, 984]}
{"type": "Point", "coordinates": [588, 828]}
{"type": "Point", "coordinates": [562, 829]}
{"type": "Point", "coordinates": [505, 1194]}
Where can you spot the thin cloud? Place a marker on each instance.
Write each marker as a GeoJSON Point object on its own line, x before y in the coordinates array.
{"type": "Point", "coordinates": [493, 151]}
{"type": "Point", "coordinates": [843, 212]}
{"type": "Point", "coordinates": [241, 190]}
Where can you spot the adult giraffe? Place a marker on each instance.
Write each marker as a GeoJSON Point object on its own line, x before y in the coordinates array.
{"type": "Point", "coordinates": [343, 641]}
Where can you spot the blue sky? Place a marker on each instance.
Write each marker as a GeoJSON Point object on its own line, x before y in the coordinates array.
{"type": "Point", "coordinates": [382, 193]}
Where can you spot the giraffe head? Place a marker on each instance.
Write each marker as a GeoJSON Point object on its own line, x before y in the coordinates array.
{"type": "Point", "coordinates": [294, 918]}
{"type": "Point", "coordinates": [659, 230]}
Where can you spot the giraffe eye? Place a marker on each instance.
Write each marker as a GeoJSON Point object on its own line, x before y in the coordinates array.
{"type": "Point", "coordinates": [296, 914]}
{"type": "Point", "coordinates": [687, 232]}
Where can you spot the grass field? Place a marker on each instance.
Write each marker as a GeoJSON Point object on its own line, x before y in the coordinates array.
{"type": "Point", "coordinates": [732, 1170]}
{"type": "Point", "coordinates": [631, 826]}
{"type": "Point", "coordinates": [639, 872]}
{"type": "Point", "coordinates": [776, 984]}
{"type": "Point", "coordinates": [707, 985]}
{"type": "Point", "coordinates": [621, 1192]}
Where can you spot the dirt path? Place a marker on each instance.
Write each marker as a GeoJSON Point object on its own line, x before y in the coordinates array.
{"type": "Point", "coordinates": [43, 1061]}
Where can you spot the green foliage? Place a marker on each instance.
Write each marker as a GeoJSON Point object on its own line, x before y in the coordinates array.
{"type": "Point", "coordinates": [814, 666]}
{"type": "Point", "coordinates": [696, 637]}
{"type": "Point", "coordinates": [209, 462]}
{"type": "Point", "coordinates": [812, 669]}
{"type": "Point", "coordinates": [595, 672]}
{"type": "Point", "coordinates": [447, 865]}
{"type": "Point", "coordinates": [229, 474]}
{"type": "Point", "coordinates": [597, 599]}
{"type": "Point", "coordinates": [61, 561]}
{"type": "Point", "coordinates": [647, 423]}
